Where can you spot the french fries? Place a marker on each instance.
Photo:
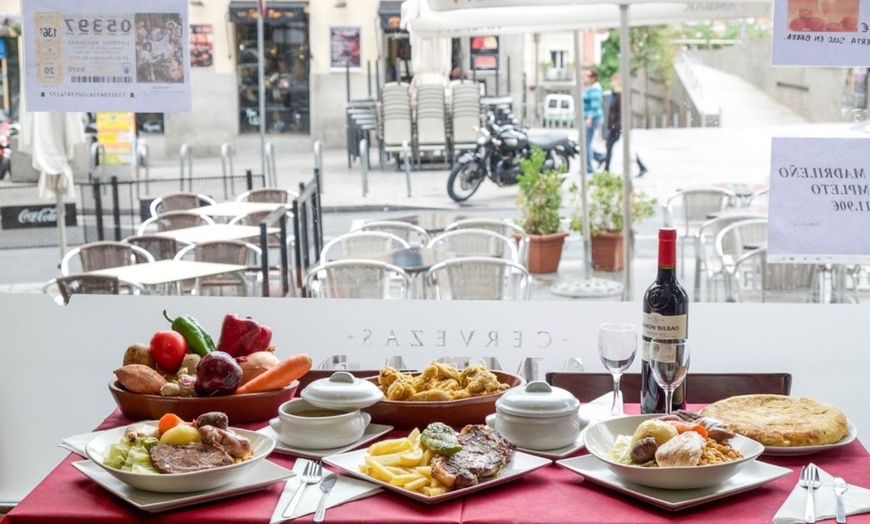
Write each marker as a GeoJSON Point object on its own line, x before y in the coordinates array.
{"type": "Point", "coordinates": [403, 462]}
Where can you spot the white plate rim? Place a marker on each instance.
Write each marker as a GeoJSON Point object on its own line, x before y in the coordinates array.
{"type": "Point", "coordinates": [739, 483]}
{"type": "Point", "coordinates": [780, 451]}
{"type": "Point", "coordinates": [260, 477]}
{"type": "Point", "coordinates": [372, 432]}
{"type": "Point", "coordinates": [560, 453]}
{"type": "Point", "coordinates": [349, 463]}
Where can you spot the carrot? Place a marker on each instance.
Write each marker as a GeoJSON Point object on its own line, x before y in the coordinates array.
{"type": "Point", "coordinates": [683, 427]}
{"type": "Point", "coordinates": [168, 421]}
{"type": "Point", "coordinates": [278, 377]}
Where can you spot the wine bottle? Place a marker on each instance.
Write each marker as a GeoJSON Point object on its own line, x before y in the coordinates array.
{"type": "Point", "coordinates": [665, 312]}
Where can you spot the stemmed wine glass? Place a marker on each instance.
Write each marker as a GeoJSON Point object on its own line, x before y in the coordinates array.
{"type": "Point", "coordinates": [617, 345]}
{"type": "Point", "coordinates": [669, 361]}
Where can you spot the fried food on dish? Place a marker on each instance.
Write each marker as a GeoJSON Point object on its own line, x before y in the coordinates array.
{"type": "Point", "coordinates": [439, 382]}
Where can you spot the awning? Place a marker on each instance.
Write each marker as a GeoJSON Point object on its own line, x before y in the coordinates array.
{"type": "Point", "coordinates": [391, 16]}
{"type": "Point", "coordinates": [277, 13]}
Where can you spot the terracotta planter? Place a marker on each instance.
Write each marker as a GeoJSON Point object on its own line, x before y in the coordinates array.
{"type": "Point", "coordinates": [607, 253]}
{"type": "Point", "coordinates": [545, 252]}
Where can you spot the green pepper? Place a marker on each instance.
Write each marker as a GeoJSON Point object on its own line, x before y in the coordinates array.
{"type": "Point", "coordinates": [441, 439]}
{"type": "Point", "coordinates": [197, 338]}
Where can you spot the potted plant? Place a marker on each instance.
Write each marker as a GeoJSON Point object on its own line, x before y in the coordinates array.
{"type": "Point", "coordinates": [606, 219]}
{"type": "Point", "coordinates": [540, 199]}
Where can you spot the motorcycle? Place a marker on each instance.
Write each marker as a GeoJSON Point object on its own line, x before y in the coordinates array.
{"type": "Point", "coordinates": [499, 150]}
{"type": "Point", "coordinates": [7, 129]}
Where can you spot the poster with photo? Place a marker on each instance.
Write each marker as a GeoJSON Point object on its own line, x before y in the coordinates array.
{"type": "Point", "coordinates": [201, 45]}
{"type": "Point", "coordinates": [344, 46]}
{"type": "Point", "coordinates": [828, 33]}
{"type": "Point", "coordinates": [107, 55]}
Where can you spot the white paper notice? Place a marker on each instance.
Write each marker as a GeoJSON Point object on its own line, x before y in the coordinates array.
{"type": "Point", "coordinates": [821, 32]}
{"type": "Point", "coordinates": [107, 55]}
{"type": "Point", "coordinates": [819, 203]}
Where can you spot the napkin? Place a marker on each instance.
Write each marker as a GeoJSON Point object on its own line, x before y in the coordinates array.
{"type": "Point", "coordinates": [345, 490]}
{"type": "Point", "coordinates": [78, 443]}
{"type": "Point", "coordinates": [856, 500]}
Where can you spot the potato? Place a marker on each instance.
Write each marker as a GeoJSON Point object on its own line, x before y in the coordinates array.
{"type": "Point", "coordinates": [139, 378]}
{"type": "Point", "coordinates": [412, 458]}
{"type": "Point", "coordinates": [139, 354]}
{"type": "Point", "coordinates": [388, 447]}
{"type": "Point", "coordinates": [657, 429]}
{"type": "Point", "coordinates": [378, 471]}
{"type": "Point", "coordinates": [180, 435]}
{"type": "Point", "coordinates": [190, 361]}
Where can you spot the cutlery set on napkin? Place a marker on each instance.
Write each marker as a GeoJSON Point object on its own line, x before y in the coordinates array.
{"type": "Point", "coordinates": [819, 496]}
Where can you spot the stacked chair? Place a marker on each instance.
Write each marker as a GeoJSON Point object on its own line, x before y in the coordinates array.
{"type": "Point", "coordinates": [464, 114]}
{"type": "Point", "coordinates": [394, 119]}
{"type": "Point", "coordinates": [430, 118]}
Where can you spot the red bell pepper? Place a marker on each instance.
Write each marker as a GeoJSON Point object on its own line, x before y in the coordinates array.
{"type": "Point", "coordinates": [242, 336]}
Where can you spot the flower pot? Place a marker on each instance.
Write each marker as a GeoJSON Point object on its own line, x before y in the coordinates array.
{"type": "Point", "coordinates": [607, 253]}
{"type": "Point", "coordinates": [545, 252]}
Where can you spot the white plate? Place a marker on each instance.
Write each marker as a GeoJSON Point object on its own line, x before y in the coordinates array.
{"type": "Point", "coordinates": [851, 435]}
{"type": "Point", "coordinates": [754, 474]}
{"type": "Point", "coordinates": [262, 445]}
{"type": "Point", "coordinates": [521, 464]}
{"type": "Point", "coordinates": [261, 476]}
{"type": "Point", "coordinates": [372, 432]}
{"type": "Point", "coordinates": [560, 453]}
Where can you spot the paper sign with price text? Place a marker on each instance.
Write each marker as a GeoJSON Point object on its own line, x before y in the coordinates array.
{"type": "Point", "coordinates": [833, 33]}
{"type": "Point", "coordinates": [819, 203]}
{"type": "Point", "coordinates": [107, 55]}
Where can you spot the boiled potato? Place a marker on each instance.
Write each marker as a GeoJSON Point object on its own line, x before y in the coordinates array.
{"type": "Point", "coordinates": [180, 435]}
{"type": "Point", "coordinates": [657, 429]}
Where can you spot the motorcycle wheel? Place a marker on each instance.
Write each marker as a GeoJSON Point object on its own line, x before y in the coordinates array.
{"type": "Point", "coordinates": [561, 160]}
{"type": "Point", "coordinates": [464, 180]}
{"type": "Point", "coordinates": [5, 167]}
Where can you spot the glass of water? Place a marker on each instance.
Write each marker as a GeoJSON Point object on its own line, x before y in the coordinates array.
{"type": "Point", "coordinates": [669, 362]}
{"type": "Point", "coordinates": [617, 345]}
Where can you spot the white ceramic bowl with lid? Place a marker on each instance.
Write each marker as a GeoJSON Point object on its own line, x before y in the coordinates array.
{"type": "Point", "coordinates": [539, 417]}
{"type": "Point", "coordinates": [328, 414]}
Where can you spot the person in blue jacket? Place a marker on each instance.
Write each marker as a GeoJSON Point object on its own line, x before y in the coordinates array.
{"type": "Point", "coordinates": [593, 97]}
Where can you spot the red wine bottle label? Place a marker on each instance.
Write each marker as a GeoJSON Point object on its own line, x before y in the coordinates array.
{"type": "Point", "coordinates": [656, 325]}
{"type": "Point", "coordinates": [666, 353]}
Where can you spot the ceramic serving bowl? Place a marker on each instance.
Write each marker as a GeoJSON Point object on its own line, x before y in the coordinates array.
{"type": "Point", "coordinates": [180, 482]}
{"type": "Point", "coordinates": [538, 416]}
{"type": "Point", "coordinates": [404, 414]}
{"type": "Point", "coordinates": [328, 414]}
{"type": "Point", "coordinates": [601, 436]}
{"type": "Point", "coordinates": [240, 409]}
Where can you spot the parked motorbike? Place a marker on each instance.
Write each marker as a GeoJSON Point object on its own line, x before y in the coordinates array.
{"type": "Point", "coordinates": [498, 154]}
{"type": "Point", "coordinates": [7, 129]}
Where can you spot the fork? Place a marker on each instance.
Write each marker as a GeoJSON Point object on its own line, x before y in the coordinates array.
{"type": "Point", "coordinates": [310, 475]}
{"type": "Point", "coordinates": [809, 479]}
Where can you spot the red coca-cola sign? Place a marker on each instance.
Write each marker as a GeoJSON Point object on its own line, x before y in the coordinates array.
{"type": "Point", "coordinates": [34, 215]}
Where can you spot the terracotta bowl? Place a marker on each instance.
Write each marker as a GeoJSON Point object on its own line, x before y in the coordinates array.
{"type": "Point", "coordinates": [240, 409]}
{"type": "Point", "coordinates": [456, 413]}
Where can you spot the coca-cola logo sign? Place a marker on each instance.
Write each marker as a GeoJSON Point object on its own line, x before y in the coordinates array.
{"type": "Point", "coordinates": [34, 215]}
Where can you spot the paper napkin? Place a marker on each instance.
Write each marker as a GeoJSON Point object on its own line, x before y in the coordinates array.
{"type": "Point", "coordinates": [78, 443]}
{"type": "Point", "coordinates": [345, 490]}
{"type": "Point", "coordinates": [855, 501]}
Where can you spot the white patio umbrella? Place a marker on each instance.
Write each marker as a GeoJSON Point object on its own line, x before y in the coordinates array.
{"type": "Point", "coordinates": [448, 18]}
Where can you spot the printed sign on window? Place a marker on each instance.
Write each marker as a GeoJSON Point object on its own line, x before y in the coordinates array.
{"type": "Point", "coordinates": [107, 55]}
{"type": "Point", "coordinates": [821, 32]}
{"type": "Point", "coordinates": [344, 45]}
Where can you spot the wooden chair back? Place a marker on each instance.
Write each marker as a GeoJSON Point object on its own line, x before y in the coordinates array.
{"type": "Point", "coordinates": [701, 388]}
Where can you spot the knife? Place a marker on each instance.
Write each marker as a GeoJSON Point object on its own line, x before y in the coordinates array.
{"type": "Point", "coordinates": [325, 486]}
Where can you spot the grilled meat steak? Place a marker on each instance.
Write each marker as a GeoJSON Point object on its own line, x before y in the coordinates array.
{"type": "Point", "coordinates": [484, 452]}
{"type": "Point", "coordinates": [191, 457]}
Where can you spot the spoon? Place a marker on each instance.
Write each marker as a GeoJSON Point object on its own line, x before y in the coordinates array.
{"type": "Point", "coordinates": [840, 487]}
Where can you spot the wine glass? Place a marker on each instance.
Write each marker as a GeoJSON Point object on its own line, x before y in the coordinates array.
{"type": "Point", "coordinates": [669, 361]}
{"type": "Point", "coordinates": [617, 345]}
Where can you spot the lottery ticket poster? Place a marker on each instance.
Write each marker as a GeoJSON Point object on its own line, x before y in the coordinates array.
{"type": "Point", "coordinates": [830, 33]}
{"type": "Point", "coordinates": [107, 55]}
{"type": "Point", "coordinates": [819, 202]}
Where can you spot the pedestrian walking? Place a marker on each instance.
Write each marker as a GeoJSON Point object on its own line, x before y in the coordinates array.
{"type": "Point", "coordinates": [593, 101]}
{"type": "Point", "coordinates": [614, 125]}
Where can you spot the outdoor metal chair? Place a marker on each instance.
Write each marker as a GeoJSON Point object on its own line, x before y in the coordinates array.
{"type": "Point", "coordinates": [358, 279]}
{"type": "Point", "coordinates": [502, 227]}
{"type": "Point", "coordinates": [179, 202]}
{"type": "Point", "coordinates": [776, 281]}
{"type": "Point", "coordinates": [732, 244]}
{"type": "Point", "coordinates": [701, 388]}
{"type": "Point", "coordinates": [410, 233]}
{"type": "Point", "coordinates": [224, 252]}
{"type": "Point", "coordinates": [361, 243]}
{"type": "Point", "coordinates": [267, 194]}
{"type": "Point", "coordinates": [689, 209]}
{"type": "Point", "coordinates": [478, 278]}
{"type": "Point", "coordinates": [70, 285]}
{"type": "Point", "coordinates": [172, 220]}
{"type": "Point", "coordinates": [709, 270]}
{"type": "Point", "coordinates": [103, 255]}
{"type": "Point", "coordinates": [476, 242]}
{"type": "Point", "coordinates": [161, 248]}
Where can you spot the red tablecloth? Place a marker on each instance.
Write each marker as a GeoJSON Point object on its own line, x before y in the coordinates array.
{"type": "Point", "coordinates": [551, 495]}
